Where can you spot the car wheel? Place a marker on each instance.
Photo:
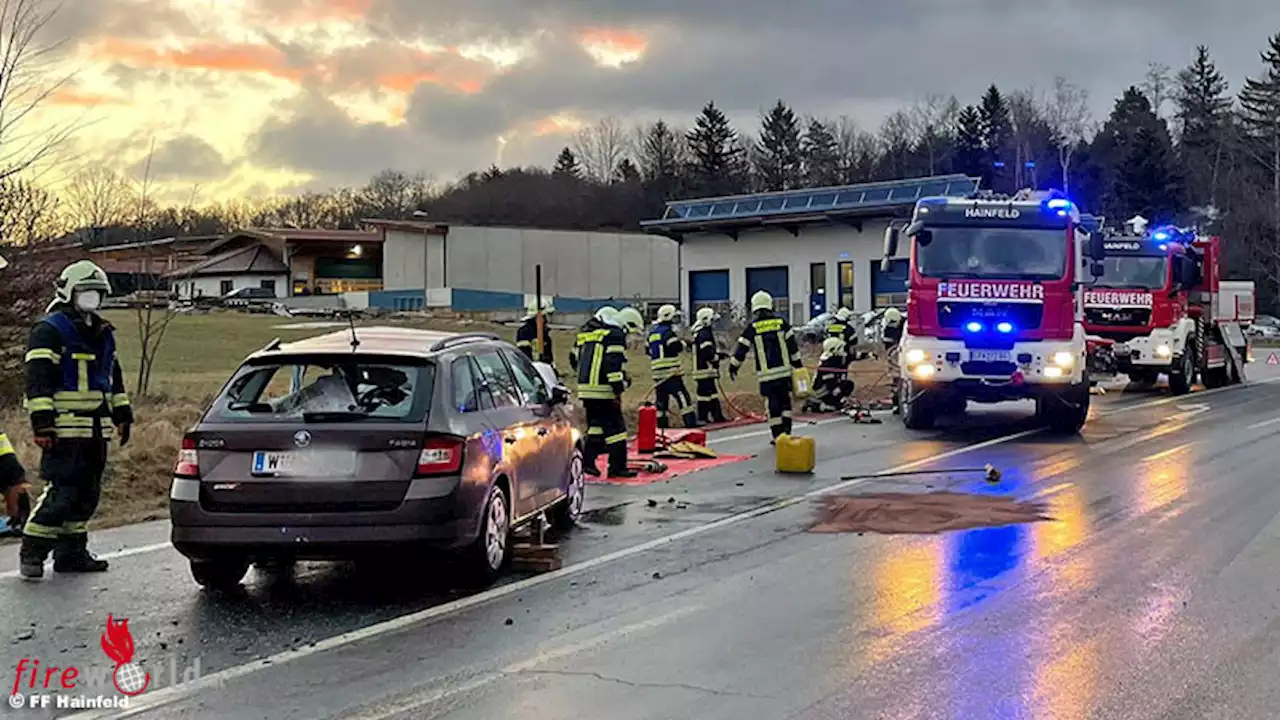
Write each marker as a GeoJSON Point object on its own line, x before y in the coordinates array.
{"type": "Point", "coordinates": [220, 574]}
{"type": "Point", "coordinates": [566, 513]}
{"type": "Point", "coordinates": [487, 556]}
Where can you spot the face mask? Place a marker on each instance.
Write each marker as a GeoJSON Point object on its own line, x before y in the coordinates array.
{"type": "Point", "coordinates": [89, 300]}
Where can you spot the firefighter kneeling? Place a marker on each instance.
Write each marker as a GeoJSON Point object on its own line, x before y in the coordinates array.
{"type": "Point", "coordinates": [599, 356]}
{"type": "Point", "coordinates": [664, 363]}
{"type": "Point", "coordinates": [832, 387]}
{"type": "Point", "coordinates": [773, 342]}
{"type": "Point", "coordinates": [706, 367]}
{"type": "Point", "coordinates": [75, 393]}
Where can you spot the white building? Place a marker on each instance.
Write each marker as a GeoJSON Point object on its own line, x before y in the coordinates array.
{"type": "Point", "coordinates": [813, 250]}
{"type": "Point", "coordinates": [255, 266]}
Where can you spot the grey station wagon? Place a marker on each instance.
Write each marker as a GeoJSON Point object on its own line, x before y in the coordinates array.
{"type": "Point", "coordinates": [329, 449]}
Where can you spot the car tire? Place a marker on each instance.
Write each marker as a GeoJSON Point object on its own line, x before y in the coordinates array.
{"type": "Point", "coordinates": [220, 574]}
{"type": "Point", "coordinates": [490, 553]}
{"type": "Point", "coordinates": [565, 514]}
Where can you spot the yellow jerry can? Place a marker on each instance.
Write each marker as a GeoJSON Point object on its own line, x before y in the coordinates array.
{"type": "Point", "coordinates": [801, 383]}
{"type": "Point", "coordinates": [795, 454]}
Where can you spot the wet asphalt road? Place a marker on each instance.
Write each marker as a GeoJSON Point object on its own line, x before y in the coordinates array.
{"type": "Point", "coordinates": [1152, 594]}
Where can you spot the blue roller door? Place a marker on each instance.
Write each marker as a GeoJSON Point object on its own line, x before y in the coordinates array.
{"type": "Point", "coordinates": [709, 286]}
{"type": "Point", "coordinates": [889, 289]}
{"type": "Point", "coordinates": [772, 280]}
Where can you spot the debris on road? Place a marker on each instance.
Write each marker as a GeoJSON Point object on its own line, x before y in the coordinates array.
{"type": "Point", "coordinates": [921, 513]}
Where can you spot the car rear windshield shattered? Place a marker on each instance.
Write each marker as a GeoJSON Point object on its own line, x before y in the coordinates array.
{"type": "Point", "coordinates": [317, 390]}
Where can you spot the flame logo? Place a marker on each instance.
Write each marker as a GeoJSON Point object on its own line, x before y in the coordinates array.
{"type": "Point", "coordinates": [117, 643]}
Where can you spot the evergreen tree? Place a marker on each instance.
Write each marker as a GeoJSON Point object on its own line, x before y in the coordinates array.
{"type": "Point", "coordinates": [626, 172]}
{"type": "Point", "coordinates": [821, 155]}
{"type": "Point", "coordinates": [1260, 115]}
{"type": "Point", "coordinates": [1203, 111]}
{"type": "Point", "coordinates": [970, 143]}
{"type": "Point", "coordinates": [567, 165]}
{"type": "Point", "coordinates": [1136, 167]}
{"type": "Point", "coordinates": [997, 132]}
{"type": "Point", "coordinates": [660, 163]}
{"type": "Point", "coordinates": [717, 156]}
{"type": "Point", "coordinates": [777, 153]}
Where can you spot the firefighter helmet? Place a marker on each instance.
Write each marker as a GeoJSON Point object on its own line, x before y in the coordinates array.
{"type": "Point", "coordinates": [667, 313]}
{"type": "Point", "coordinates": [892, 317]}
{"type": "Point", "coordinates": [607, 315]}
{"type": "Point", "coordinates": [705, 317]}
{"type": "Point", "coordinates": [843, 314]}
{"type": "Point", "coordinates": [531, 307]}
{"type": "Point", "coordinates": [631, 319]}
{"type": "Point", "coordinates": [832, 345]}
{"type": "Point", "coordinates": [761, 301]}
{"type": "Point", "coordinates": [79, 276]}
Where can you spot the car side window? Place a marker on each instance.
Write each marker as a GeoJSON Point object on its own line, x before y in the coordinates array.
{"type": "Point", "coordinates": [467, 393]}
{"type": "Point", "coordinates": [497, 378]}
{"type": "Point", "coordinates": [527, 377]}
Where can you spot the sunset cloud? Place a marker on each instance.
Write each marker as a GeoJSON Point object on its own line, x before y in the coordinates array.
{"type": "Point", "coordinates": [71, 97]}
{"type": "Point", "coordinates": [613, 47]}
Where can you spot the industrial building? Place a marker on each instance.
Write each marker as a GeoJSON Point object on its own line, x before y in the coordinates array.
{"type": "Point", "coordinates": [814, 250]}
{"type": "Point", "coordinates": [481, 269]}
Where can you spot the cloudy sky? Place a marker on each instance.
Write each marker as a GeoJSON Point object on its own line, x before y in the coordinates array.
{"type": "Point", "coordinates": [256, 96]}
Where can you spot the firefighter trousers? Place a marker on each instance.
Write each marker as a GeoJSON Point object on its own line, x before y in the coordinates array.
{"type": "Point", "coordinates": [832, 397]}
{"type": "Point", "coordinates": [72, 470]}
{"type": "Point", "coordinates": [707, 393]}
{"type": "Point", "coordinates": [673, 389]}
{"type": "Point", "coordinates": [606, 433]}
{"type": "Point", "coordinates": [777, 395]}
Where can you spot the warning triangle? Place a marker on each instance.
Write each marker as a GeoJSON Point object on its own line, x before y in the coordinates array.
{"type": "Point", "coordinates": [1273, 360]}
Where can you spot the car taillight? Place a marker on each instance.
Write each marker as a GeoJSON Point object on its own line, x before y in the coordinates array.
{"type": "Point", "coordinates": [440, 456]}
{"type": "Point", "coordinates": [188, 465]}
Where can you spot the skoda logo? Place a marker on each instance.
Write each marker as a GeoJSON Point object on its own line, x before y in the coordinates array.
{"type": "Point", "coordinates": [302, 438]}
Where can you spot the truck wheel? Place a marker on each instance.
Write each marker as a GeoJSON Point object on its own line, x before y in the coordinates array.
{"type": "Point", "coordinates": [918, 412]}
{"type": "Point", "coordinates": [1066, 415]}
{"type": "Point", "coordinates": [1182, 375]}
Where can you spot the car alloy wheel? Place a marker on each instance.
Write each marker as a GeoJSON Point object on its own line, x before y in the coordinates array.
{"type": "Point", "coordinates": [496, 531]}
{"type": "Point", "coordinates": [577, 487]}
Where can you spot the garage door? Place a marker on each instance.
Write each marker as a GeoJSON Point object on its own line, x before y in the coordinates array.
{"type": "Point", "coordinates": [889, 289]}
{"type": "Point", "coordinates": [772, 280]}
{"type": "Point", "coordinates": [710, 288]}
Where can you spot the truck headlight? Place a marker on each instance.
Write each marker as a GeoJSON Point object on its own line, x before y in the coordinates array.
{"type": "Point", "coordinates": [915, 357]}
{"type": "Point", "coordinates": [924, 372]}
{"type": "Point", "coordinates": [1053, 372]}
{"type": "Point", "coordinates": [1064, 359]}
{"type": "Point", "coordinates": [1163, 351]}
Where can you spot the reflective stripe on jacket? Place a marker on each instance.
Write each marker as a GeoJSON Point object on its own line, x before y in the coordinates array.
{"type": "Point", "coordinates": [599, 356]}
{"type": "Point", "coordinates": [706, 356]}
{"type": "Point", "coordinates": [773, 343]}
{"type": "Point", "coordinates": [664, 352]}
{"type": "Point", "coordinates": [73, 383]}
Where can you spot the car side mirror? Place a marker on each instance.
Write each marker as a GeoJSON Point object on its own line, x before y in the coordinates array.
{"type": "Point", "coordinates": [1096, 269]}
{"type": "Point", "coordinates": [1097, 248]}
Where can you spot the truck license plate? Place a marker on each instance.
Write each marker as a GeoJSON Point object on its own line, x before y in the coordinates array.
{"type": "Point", "coordinates": [989, 355]}
{"type": "Point", "coordinates": [304, 464]}
{"type": "Point", "coordinates": [1120, 349]}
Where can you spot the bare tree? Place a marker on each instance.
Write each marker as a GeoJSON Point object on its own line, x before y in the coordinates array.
{"type": "Point", "coordinates": [393, 194]}
{"type": "Point", "coordinates": [600, 146]}
{"type": "Point", "coordinates": [932, 121]}
{"type": "Point", "coordinates": [99, 197]}
{"type": "Point", "coordinates": [1066, 110]}
{"type": "Point", "coordinates": [28, 213]}
{"type": "Point", "coordinates": [1157, 86]}
{"type": "Point", "coordinates": [27, 81]}
{"type": "Point", "coordinates": [858, 149]}
{"type": "Point", "coordinates": [152, 325]}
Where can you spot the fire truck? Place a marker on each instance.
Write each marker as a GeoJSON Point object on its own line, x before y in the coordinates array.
{"type": "Point", "coordinates": [994, 307]}
{"type": "Point", "coordinates": [1161, 307]}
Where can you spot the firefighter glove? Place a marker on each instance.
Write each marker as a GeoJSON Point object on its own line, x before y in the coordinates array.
{"type": "Point", "coordinates": [125, 431]}
{"type": "Point", "coordinates": [733, 372]}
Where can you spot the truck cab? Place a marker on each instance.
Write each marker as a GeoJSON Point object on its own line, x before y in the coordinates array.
{"type": "Point", "coordinates": [993, 307]}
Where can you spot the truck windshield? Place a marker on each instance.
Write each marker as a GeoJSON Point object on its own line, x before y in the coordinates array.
{"type": "Point", "coordinates": [980, 252]}
{"type": "Point", "coordinates": [1134, 271]}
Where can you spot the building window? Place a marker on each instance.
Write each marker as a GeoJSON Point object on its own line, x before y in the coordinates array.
{"type": "Point", "coordinates": [268, 285]}
{"type": "Point", "coordinates": [226, 286]}
{"type": "Point", "coordinates": [846, 285]}
{"type": "Point", "coordinates": [889, 288]}
{"type": "Point", "coordinates": [817, 289]}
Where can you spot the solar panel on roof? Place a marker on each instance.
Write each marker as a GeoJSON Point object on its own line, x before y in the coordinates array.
{"type": "Point", "coordinates": [822, 200]}
{"type": "Point", "coordinates": [722, 209]}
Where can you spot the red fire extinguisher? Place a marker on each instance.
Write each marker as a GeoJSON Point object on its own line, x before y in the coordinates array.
{"type": "Point", "coordinates": [647, 428]}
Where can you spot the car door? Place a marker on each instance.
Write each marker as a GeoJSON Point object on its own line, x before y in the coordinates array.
{"type": "Point", "coordinates": [555, 431]}
{"type": "Point", "coordinates": [518, 425]}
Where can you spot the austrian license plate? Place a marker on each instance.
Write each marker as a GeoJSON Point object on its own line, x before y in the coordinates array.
{"type": "Point", "coordinates": [304, 464]}
{"type": "Point", "coordinates": [989, 355]}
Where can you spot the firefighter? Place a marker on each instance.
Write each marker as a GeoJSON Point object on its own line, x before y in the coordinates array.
{"type": "Point", "coordinates": [75, 393]}
{"type": "Point", "coordinates": [842, 327]}
{"type": "Point", "coordinates": [832, 385]}
{"type": "Point", "coordinates": [599, 358]}
{"type": "Point", "coordinates": [773, 342]}
{"type": "Point", "coordinates": [665, 348]}
{"type": "Point", "coordinates": [527, 334]}
{"type": "Point", "coordinates": [891, 337]}
{"type": "Point", "coordinates": [706, 367]}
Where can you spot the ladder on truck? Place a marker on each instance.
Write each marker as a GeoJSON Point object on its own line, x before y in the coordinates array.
{"type": "Point", "coordinates": [1230, 332]}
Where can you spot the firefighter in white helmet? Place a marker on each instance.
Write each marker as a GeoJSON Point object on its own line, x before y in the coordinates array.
{"type": "Point", "coordinates": [599, 356]}
{"type": "Point", "coordinates": [773, 342]}
{"type": "Point", "coordinates": [535, 348]}
{"type": "Point", "coordinates": [13, 476]}
{"type": "Point", "coordinates": [706, 367]}
{"type": "Point", "coordinates": [665, 348]}
{"type": "Point", "coordinates": [891, 336]}
{"type": "Point", "coordinates": [75, 394]}
{"type": "Point", "coordinates": [832, 385]}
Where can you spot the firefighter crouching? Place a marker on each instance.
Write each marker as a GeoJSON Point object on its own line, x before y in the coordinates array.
{"type": "Point", "coordinates": [75, 393]}
{"type": "Point", "coordinates": [891, 336]}
{"type": "Point", "coordinates": [773, 342]}
{"type": "Point", "coordinates": [706, 367]}
{"type": "Point", "coordinates": [664, 364]}
{"type": "Point", "coordinates": [832, 385]}
{"type": "Point", "coordinates": [599, 358]}
{"type": "Point", "coordinates": [527, 334]}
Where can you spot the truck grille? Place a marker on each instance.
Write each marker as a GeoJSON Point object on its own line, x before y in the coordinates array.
{"type": "Point", "coordinates": [1118, 317]}
{"type": "Point", "coordinates": [1023, 316]}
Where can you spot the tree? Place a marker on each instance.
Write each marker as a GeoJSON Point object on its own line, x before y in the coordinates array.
{"type": "Point", "coordinates": [820, 155]}
{"type": "Point", "coordinates": [626, 172]}
{"type": "Point", "coordinates": [98, 197]}
{"type": "Point", "coordinates": [717, 155]}
{"type": "Point", "coordinates": [997, 131]}
{"type": "Point", "coordinates": [933, 129]}
{"type": "Point", "coordinates": [567, 165]}
{"type": "Point", "coordinates": [26, 85]}
{"type": "Point", "coordinates": [599, 147]}
{"type": "Point", "coordinates": [1067, 115]}
{"type": "Point", "coordinates": [661, 156]}
{"type": "Point", "coordinates": [897, 138]}
{"type": "Point", "coordinates": [971, 150]}
{"type": "Point", "coordinates": [777, 155]}
{"type": "Point", "coordinates": [1260, 114]}
{"type": "Point", "coordinates": [29, 214]}
{"type": "Point", "coordinates": [152, 325]}
{"type": "Point", "coordinates": [859, 152]}
{"type": "Point", "coordinates": [1156, 87]}
{"type": "Point", "coordinates": [393, 194]}
{"type": "Point", "coordinates": [1137, 169]}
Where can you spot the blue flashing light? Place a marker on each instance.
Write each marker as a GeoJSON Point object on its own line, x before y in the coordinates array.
{"type": "Point", "coordinates": [1161, 235]}
{"type": "Point", "coordinates": [1005, 327]}
{"type": "Point", "coordinates": [973, 326]}
{"type": "Point", "coordinates": [1164, 246]}
{"type": "Point", "coordinates": [1058, 204]}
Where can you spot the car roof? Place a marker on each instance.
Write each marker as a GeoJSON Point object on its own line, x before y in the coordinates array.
{"type": "Point", "coordinates": [376, 340]}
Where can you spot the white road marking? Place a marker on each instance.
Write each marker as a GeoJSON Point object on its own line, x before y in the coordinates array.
{"type": "Point", "coordinates": [1264, 423]}
{"type": "Point", "coordinates": [126, 552]}
{"type": "Point", "coordinates": [759, 433]}
{"type": "Point", "coordinates": [1050, 491]}
{"type": "Point", "coordinates": [1167, 453]}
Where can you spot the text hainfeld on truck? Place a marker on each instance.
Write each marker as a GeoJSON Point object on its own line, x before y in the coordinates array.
{"type": "Point", "coordinates": [994, 307]}
{"type": "Point", "coordinates": [1162, 308]}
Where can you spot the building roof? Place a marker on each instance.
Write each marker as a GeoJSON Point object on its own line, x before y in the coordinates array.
{"type": "Point", "coordinates": [791, 208]}
{"type": "Point", "coordinates": [414, 225]}
{"type": "Point", "coordinates": [252, 260]}
{"type": "Point", "coordinates": [377, 339]}
{"type": "Point", "coordinates": [309, 235]}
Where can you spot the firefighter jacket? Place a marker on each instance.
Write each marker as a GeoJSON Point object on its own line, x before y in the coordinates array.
{"type": "Point", "coordinates": [11, 471]}
{"type": "Point", "coordinates": [664, 352]}
{"type": "Point", "coordinates": [773, 342]}
{"type": "Point", "coordinates": [706, 356]}
{"type": "Point", "coordinates": [600, 358]}
{"type": "Point", "coordinates": [833, 368]}
{"type": "Point", "coordinates": [845, 331]}
{"type": "Point", "coordinates": [74, 383]}
{"type": "Point", "coordinates": [526, 339]}
{"type": "Point", "coordinates": [891, 335]}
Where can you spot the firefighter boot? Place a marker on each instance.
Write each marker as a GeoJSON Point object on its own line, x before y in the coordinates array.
{"type": "Point", "coordinates": [71, 555]}
{"type": "Point", "coordinates": [31, 556]}
{"type": "Point", "coordinates": [690, 420]}
{"type": "Point", "coordinates": [618, 462]}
